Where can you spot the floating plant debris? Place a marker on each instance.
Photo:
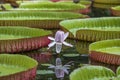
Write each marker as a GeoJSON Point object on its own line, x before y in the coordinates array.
{"type": "Point", "coordinates": [46, 64]}
{"type": "Point", "coordinates": [44, 72]}
{"type": "Point", "coordinates": [93, 29]}
{"type": "Point", "coordinates": [71, 55]}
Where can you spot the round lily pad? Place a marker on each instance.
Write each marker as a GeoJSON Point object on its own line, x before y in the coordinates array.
{"type": "Point", "coordinates": [17, 67]}
{"type": "Point", "coordinates": [17, 39]}
{"type": "Point", "coordinates": [93, 29]}
{"type": "Point", "coordinates": [92, 73]}
{"type": "Point", "coordinates": [106, 51]}
{"type": "Point", "coordinates": [36, 19]}
{"type": "Point", "coordinates": [107, 1]}
{"type": "Point", "coordinates": [62, 6]}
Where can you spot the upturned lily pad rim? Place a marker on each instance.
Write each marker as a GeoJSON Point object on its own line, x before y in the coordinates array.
{"type": "Point", "coordinates": [104, 44]}
{"type": "Point", "coordinates": [70, 24]}
{"type": "Point", "coordinates": [54, 5]}
{"type": "Point", "coordinates": [26, 32]}
{"type": "Point", "coordinates": [91, 72]}
{"type": "Point", "coordinates": [107, 1]}
{"type": "Point", "coordinates": [18, 60]}
{"type": "Point", "coordinates": [38, 15]}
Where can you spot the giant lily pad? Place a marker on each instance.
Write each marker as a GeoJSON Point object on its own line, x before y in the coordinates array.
{"type": "Point", "coordinates": [93, 29]}
{"type": "Point", "coordinates": [38, 19]}
{"type": "Point", "coordinates": [51, 6]}
{"type": "Point", "coordinates": [107, 1]}
{"type": "Point", "coordinates": [92, 73]}
{"type": "Point", "coordinates": [17, 67]}
{"type": "Point", "coordinates": [116, 11]}
{"type": "Point", "coordinates": [110, 66]}
{"type": "Point", "coordinates": [17, 39]}
{"type": "Point", "coordinates": [106, 51]}
{"type": "Point", "coordinates": [104, 6]}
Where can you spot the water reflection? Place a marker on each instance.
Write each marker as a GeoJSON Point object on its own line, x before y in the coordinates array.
{"type": "Point", "coordinates": [78, 60]}
{"type": "Point", "coordinates": [82, 46]}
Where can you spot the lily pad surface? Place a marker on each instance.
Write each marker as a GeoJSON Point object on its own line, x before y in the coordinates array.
{"type": "Point", "coordinates": [14, 66]}
{"type": "Point", "coordinates": [94, 29]}
{"type": "Point", "coordinates": [107, 51]}
{"type": "Point", "coordinates": [10, 69]}
{"type": "Point", "coordinates": [92, 73]}
{"type": "Point", "coordinates": [107, 1]}
{"type": "Point", "coordinates": [36, 19]}
{"type": "Point", "coordinates": [17, 39]}
{"type": "Point", "coordinates": [111, 50]}
{"type": "Point", "coordinates": [51, 6]}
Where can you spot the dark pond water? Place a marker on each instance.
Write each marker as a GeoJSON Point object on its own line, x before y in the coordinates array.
{"type": "Point", "coordinates": [81, 59]}
{"type": "Point", "coordinates": [80, 47]}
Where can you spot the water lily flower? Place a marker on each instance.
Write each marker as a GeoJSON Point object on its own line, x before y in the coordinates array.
{"type": "Point", "coordinates": [60, 70]}
{"type": "Point", "coordinates": [59, 39]}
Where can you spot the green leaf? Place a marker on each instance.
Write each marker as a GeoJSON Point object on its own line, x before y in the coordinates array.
{"type": "Point", "coordinates": [106, 51]}
{"type": "Point", "coordinates": [17, 39]}
{"type": "Point", "coordinates": [51, 6]}
{"type": "Point", "coordinates": [93, 29]}
{"type": "Point", "coordinates": [14, 64]}
{"type": "Point", "coordinates": [91, 72]}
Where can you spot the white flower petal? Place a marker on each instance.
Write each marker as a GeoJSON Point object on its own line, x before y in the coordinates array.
{"type": "Point", "coordinates": [51, 44]}
{"type": "Point", "coordinates": [67, 44]}
{"type": "Point", "coordinates": [66, 71]}
{"type": "Point", "coordinates": [52, 66]}
{"type": "Point", "coordinates": [51, 38]}
{"type": "Point", "coordinates": [66, 35]}
{"type": "Point", "coordinates": [58, 47]}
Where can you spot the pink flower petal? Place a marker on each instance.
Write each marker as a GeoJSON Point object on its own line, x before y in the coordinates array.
{"type": "Point", "coordinates": [67, 44]}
